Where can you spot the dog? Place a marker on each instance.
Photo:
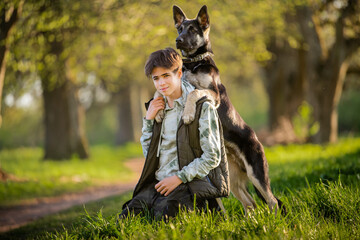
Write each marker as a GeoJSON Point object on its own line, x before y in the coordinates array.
{"type": "Point", "coordinates": [245, 153]}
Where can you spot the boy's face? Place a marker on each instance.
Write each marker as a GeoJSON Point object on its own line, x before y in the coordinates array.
{"type": "Point", "coordinates": [167, 81]}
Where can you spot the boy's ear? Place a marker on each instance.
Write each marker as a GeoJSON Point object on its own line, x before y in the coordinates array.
{"type": "Point", "coordinates": [203, 18]}
{"type": "Point", "coordinates": [179, 16]}
{"type": "Point", "coordinates": [180, 73]}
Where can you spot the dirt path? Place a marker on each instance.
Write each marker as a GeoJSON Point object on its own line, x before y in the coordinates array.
{"type": "Point", "coordinates": [20, 215]}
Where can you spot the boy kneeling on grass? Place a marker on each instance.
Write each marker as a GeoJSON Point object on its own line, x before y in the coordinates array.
{"type": "Point", "coordinates": [181, 160]}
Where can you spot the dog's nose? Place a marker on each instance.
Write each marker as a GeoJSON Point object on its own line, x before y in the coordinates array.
{"type": "Point", "coordinates": [179, 40]}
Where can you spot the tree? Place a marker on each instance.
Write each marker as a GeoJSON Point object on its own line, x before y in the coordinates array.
{"type": "Point", "coordinates": [309, 63]}
{"type": "Point", "coordinates": [327, 63]}
{"type": "Point", "coordinates": [285, 85]}
{"type": "Point", "coordinates": [46, 35]}
{"type": "Point", "coordinates": [9, 14]}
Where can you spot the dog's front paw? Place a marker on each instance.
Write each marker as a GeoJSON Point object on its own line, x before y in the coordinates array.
{"type": "Point", "coordinates": [189, 114]}
{"type": "Point", "coordinates": [159, 116]}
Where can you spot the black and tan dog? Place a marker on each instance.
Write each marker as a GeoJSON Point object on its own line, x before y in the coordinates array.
{"type": "Point", "coordinates": [244, 151]}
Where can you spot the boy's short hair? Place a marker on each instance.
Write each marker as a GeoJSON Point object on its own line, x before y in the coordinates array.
{"type": "Point", "coordinates": [165, 58]}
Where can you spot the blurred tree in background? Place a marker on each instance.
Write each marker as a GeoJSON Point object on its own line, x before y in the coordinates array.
{"type": "Point", "coordinates": [331, 32]}
{"type": "Point", "coordinates": [280, 61]}
{"type": "Point", "coordinates": [9, 14]}
{"type": "Point", "coordinates": [310, 62]}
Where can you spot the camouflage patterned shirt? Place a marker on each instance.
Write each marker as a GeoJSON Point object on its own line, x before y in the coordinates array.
{"type": "Point", "coordinates": [167, 150]}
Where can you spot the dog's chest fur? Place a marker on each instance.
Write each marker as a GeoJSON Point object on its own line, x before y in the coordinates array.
{"type": "Point", "coordinates": [199, 80]}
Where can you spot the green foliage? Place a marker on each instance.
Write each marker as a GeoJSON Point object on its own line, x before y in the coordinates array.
{"type": "Point", "coordinates": [304, 123]}
{"type": "Point", "coordinates": [37, 177]}
{"type": "Point", "coordinates": [17, 132]}
{"type": "Point", "coordinates": [319, 185]}
{"type": "Point", "coordinates": [349, 114]}
{"type": "Point", "coordinates": [110, 41]}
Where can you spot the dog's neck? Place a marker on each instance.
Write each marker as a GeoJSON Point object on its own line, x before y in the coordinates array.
{"type": "Point", "coordinates": [197, 58]}
{"type": "Point", "coordinates": [199, 55]}
{"type": "Point", "coordinates": [203, 49]}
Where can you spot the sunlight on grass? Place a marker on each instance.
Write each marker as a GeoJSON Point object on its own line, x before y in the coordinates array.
{"type": "Point", "coordinates": [37, 177]}
{"type": "Point", "coordinates": [319, 186]}
{"type": "Point", "coordinates": [310, 152]}
{"type": "Point", "coordinates": [322, 211]}
{"type": "Point", "coordinates": [290, 166]}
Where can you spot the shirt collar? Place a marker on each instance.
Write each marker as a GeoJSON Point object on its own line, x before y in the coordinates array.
{"type": "Point", "coordinates": [186, 88]}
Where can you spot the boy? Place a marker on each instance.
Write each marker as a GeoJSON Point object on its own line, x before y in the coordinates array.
{"type": "Point", "coordinates": [181, 160]}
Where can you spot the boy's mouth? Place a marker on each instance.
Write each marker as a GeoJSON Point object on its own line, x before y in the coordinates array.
{"type": "Point", "coordinates": [163, 89]}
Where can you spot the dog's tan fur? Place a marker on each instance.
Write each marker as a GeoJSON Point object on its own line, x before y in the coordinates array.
{"type": "Point", "coordinates": [240, 174]}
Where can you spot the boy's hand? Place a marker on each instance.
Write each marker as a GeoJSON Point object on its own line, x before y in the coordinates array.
{"type": "Point", "coordinates": [167, 185]}
{"type": "Point", "coordinates": [155, 105]}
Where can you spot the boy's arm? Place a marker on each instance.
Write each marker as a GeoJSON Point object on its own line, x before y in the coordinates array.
{"type": "Point", "coordinates": [146, 134]}
{"type": "Point", "coordinates": [153, 107]}
{"type": "Point", "coordinates": [210, 145]}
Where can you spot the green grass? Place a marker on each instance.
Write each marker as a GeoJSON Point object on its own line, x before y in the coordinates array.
{"type": "Point", "coordinates": [39, 178]}
{"type": "Point", "coordinates": [318, 184]}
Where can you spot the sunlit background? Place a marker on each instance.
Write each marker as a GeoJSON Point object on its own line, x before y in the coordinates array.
{"type": "Point", "coordinates": [72, 91]}
{"type": "Point", "coordinates": [74, 69]}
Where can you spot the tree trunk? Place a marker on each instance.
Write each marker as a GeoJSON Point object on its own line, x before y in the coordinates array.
{"type": "Point", "coordinates": [64, 123]}
{"type": "Point", "coordinates": [137, 105]}
{"type": "Point", "coordinates": [3, 53]}
{"type": "Point", "coordinates": [327, 98]}
{"type": "Point", "coordinates": [5, 27]}
{"type": "Point", "coordinates": [64, 116]}
{"type": "Point", "coordinates": [130, 101]}
{"type": "Point", "coordinates": [327, 66]}
{"type": "Point", "coordinates": [8, 18]}
{"type": "Point", "coordinates": [125, 131]}
{"type": "Point", "coordinates": [285, 85]}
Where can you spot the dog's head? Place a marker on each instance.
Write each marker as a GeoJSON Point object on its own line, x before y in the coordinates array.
{"type": "Point", "coordinates": [193, 33]}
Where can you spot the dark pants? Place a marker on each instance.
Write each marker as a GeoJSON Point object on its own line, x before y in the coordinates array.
{"type": "Point", "coordinates": [159, 206]}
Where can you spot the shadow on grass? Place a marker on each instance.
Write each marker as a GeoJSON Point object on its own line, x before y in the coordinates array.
{"type": "Point", "coordinates": [68, 219]}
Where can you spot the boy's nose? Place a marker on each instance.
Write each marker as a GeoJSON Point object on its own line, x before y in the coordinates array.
{"type": "Point", "coordinates": [161, 81]}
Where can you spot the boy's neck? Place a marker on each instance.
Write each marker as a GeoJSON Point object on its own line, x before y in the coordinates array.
{"type": "Point", "coordinates": [172, 98]}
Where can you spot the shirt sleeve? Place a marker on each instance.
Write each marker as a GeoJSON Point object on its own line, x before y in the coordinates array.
{"type": "Point", "coordinates": [210, 145]}
{"type": "Point", "coordinates": [146, 135]}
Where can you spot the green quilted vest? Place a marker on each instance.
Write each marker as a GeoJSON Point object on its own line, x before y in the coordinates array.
{"type": "Point", "coordinates": [215, 184]}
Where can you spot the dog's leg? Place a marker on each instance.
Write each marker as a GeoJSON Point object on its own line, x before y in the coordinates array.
{"type": "Point", "coordinates": [192, 98]}
{"type": "Point", "coordinates": [239, 179]}
{"type": "Point", "coordinates": [238, 182]}
{"type": "Point", "coordinates": [161, 113]}
{"type": "Point", "coordinates": [257, 172]}
{"type": "Point", "coordinates": [261, 181]}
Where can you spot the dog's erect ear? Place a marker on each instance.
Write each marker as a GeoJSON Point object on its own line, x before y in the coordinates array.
{"type": "Point", "coordinates": [203, 18]}
{"type": "Point", "coordinates": [179, 16]}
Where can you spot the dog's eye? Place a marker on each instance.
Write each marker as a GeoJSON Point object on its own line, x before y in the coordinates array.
{"type": "Point", "coordinates": [192, 29]}
{"type": "Point", "coordinates": [180, 29]}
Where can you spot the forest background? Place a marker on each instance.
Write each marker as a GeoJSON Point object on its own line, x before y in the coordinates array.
{"type": "Point", "coordinates": [72, 71]}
